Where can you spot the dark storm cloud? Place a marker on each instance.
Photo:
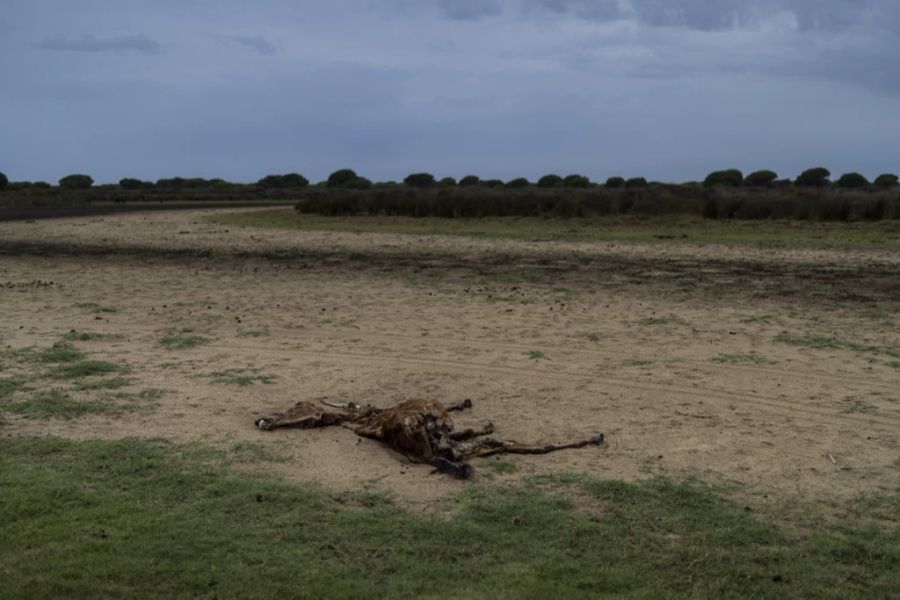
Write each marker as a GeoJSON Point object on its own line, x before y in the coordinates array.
{"type": "Point", "coordinates": [255, 42]}
{"type": "Point", "coordinates": [88, 43]}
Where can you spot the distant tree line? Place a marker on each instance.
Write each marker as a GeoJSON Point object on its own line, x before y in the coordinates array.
{"type": "Point", "coordinates": [722, 194]}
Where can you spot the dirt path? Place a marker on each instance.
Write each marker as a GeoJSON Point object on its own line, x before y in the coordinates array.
{"type": "Point", "coordinates": [672, 351]}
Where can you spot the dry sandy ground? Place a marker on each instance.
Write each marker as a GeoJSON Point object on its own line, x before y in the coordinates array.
{"type": "Point", "coordinates": [647, 343]}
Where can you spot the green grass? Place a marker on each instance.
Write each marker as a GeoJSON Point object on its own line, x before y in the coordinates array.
{"type": "Point", "coordinates": [823, 342]}
{"type": "Point", "coordinates": [241, 377]}
{"type": "Point", "coordinates": [858, 406]}
{"type": "Point", "coordinates": [112, 383]}
{"type": "Point", "coordinates": [84, 368]}
{"type": "Point", "coordinates": [48, 404]}
{"type": "Point", "coordinates": [501, 467]}
{"type": "Point", "coordinates": [181, 342]}
{"type": "Point", "coordinates": [536, 355]}
{"type": "Point", "coordinates": [669, 230]}
{"type": "Point", "coordinates": [60, 352]}
{"type": "Point", "coordinates": [739, 358]}
{"type": "Point", "coordinates": [593, 336]}
{"type": "Point", "coordinates": [11, 385]}
{"type": "Point", "coordinates": [649, 321]}
{"type": "Point", "coordinates": [638, 362]}
{"type": "Point", "coordinates": [151, 520]}
{"type": "Point", "coordinates": [97, 308]}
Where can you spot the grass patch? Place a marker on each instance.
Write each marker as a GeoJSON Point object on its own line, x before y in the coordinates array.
{"type": "Point", "coordinates": [10, 385]}
{"type": "Point", "coordinates": [241, 377]}
{"type": "Point", "coordinates": [113, 383]}
{"type": "Point", "coordinates": [84, 368]}
{"type": "Point", "coordinates": [501, 467]}
{"type": "Point", "coordinates": [764, 319]}
{"type": "Point", "coordinates": [593, 336]}
{"type": "Point", "coordinates": [147, 394]}
{"type": "Point", "coordinates": [89, 336]}
{"type": "Point", "coordinates": [536, 355]}
{"type": "Point", "coordinates": [738, 358]}
{"type": "Point", "coordinates": [181, 341]}
{"type": "Point", "coordinates": [638, 362]}
{"type": "Point", "coordinates": [824, 342]}
{"type": "Point", "coordinates": [767, 233]}
{"type": "Point", "coordinates": [252, 332]}
{"type": "Point", "coordinates": [49, 404]}
{"type": "Point", "coordinates": [60, 352]}
{"type": "Point", "coordinates": [97, 308]}
{"type": "Point", "coordinates": [143, 519]}
{"type": "Point", "coordinates": [253, 452]}
{"type": "Point", "coordinates": [858, 406]}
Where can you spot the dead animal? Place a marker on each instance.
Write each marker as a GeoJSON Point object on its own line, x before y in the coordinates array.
{"type": "Point", "coordinates": [422, 430]}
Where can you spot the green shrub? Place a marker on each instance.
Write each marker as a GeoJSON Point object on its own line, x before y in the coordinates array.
{"type": "Point", "coordinates": [130, 183]}
{"type": "Point", "coordinates": [420, 180]}
{"type": "Point", "coordinates": [576, 181]}
{"type": "Point", "coordinates": [492, 183]}
{"type": "Point", "coordinates": [42, 185]}
{"type": "Point", "coordinates": [469, 180]}
{"type": "Point", "coordinates": [852, 181]}
{"type": "Point", "coordinates": [815, 177]}
{"type": "Point", "coordinates": [518, 183]}
{"type": "Point", "coordinates": [550, 181]}
{"type": "Point", "coordinates": [762, 178]}
{"type": "Point", "coordinates": [887, 180]}
{"type": "Point", "coordinates": [76, 182]}
{"type": "Point", "coordinates": [636, 182]}
{"type": "Point", "coordinates": [289, 181]}
{"type": "Point", "coordinates": [341, 177]}
{"type": "Point", "coordinates": [4, 181]}
{"type": "Point", "coordinates": [615, 182]}
{"type": "Point", "coordinates": [358, 183]}
{"type": "Point", "coordinates": [726, 178]}
{"type": "Point", "coordinates": [447, 182]}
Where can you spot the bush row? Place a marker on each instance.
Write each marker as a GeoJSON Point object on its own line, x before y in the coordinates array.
{"type": "Point", "coordinates": [655, 199]}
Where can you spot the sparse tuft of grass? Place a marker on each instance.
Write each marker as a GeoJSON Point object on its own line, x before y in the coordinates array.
{"type": "Point", "coordinates": [253, 332]}
{"type": "Point", "coordinates": [253, 452]}
{"type": "Point", "coordinates": [764, 319]}
{"type": "Point", "coordinates": [859, 406]}
{"type": "Point", "coordinates": [536, 355]}
{"type": "Point", "coordinates": [593, 336]}
{"type": "Point", "coordinates": [501, 467]}
{"type": "Point", "coordinates": [241, 377]}
{"type": "Point", "coordinates": [10, 385]}
{"type": "Point", "coordinates": [84, 368]}
{"type": "Point", "coordinates": [102, 384]}
{"type": "Point", "coordinates": [60, 405]}
{"type": "Point", "coordinates": [750, 357]}
{"type": "Point", "coordinates": [182, 342]}
{"type": "Point", "coordinates": [87, 336]}
{"type": "Point", "coordinates": [638, 362]}
{"type": "Point", "coordinates": [97, 308]}
{"type": "Point", "coordinates": [60, 352]}
{"type": "Point", "coordinates": [823, 342]}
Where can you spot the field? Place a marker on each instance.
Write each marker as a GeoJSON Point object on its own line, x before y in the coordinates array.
{"type": "Point", "coordinates": [746, 376]}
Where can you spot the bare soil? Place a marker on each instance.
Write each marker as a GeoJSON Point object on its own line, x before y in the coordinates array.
{"type": "Point", "coordinates": [670, 350]}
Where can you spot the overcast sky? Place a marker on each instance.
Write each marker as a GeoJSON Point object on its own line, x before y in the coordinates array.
{"type": "Point", "coordinates": [667, 89]}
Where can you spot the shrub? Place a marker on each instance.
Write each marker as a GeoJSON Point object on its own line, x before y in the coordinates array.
{"type": "Point", "coordinates": [4, 181]}
{"type": "Point", "coordinates": [816, 177]}
{"type": "Point", "coordinates": [615, 182]}
{"type": "Point", "coordinates": [42, 185]}
{"type": "Point", "coordinates": [358, 183]}
{"type": "Point", "coordinates": [447, 182]}
{"type": "Point", "coordinates": [636, 182]}
{"type": "Point", "coordinates": [762, 178]}
{"type": "Point", "coordinates": [291, 180]}
{"type": "Point", "coordinates": [341, 177]}
{"type": "Point", "coordinates": [420, 180]}
{"type": "Point", "coordinates": [76, 182]}
{"type": "Point", "coordinates": [518, 183]}
{"type": "Point", "coordinates": [852, 181]}
{"type": "Point", "coordinates": [576, 181]}
{"type": "Point", "coordinates": [550, 181]}
{"type": "Point", "coordinates": [469, 180]}
{"type": "Point", "coordinates": [887, 180]}
{"type": "Point", "coordinates": [726, 178]}
{"type": "Point", "coordinates": [492, 183]}
{"type": "Point", "coordinates": [129, 183]}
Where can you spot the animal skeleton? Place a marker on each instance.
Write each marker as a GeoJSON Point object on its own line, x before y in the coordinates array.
{"type": "Point", "coordinates": [422, 430]}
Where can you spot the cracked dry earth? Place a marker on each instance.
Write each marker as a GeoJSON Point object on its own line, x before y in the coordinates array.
{"type": "Point", "coordinates": [693, 360]}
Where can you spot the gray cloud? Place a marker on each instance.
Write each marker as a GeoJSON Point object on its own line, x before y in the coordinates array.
{"type": "Point", "coordinates": [255, 42]}
{"type": "Point", "coordinates": [88, 43]}
{"type": "Point", "coordinates": [468, 10]}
